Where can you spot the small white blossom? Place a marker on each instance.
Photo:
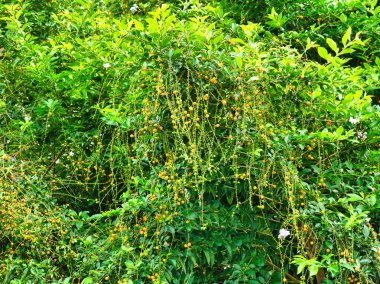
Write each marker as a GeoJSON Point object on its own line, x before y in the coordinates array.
{"type": "Point", "coordinates": [353, 120]}
{"type": "Point", "coordinates": [187, 195]}
{"type": "Point", "coordinates": [362, 135]}
{"type": "Point", "coordinates": [106, 65]}
{"type": "Point", "coordinates": [27, 118]}
{"type": "Point", "coordinates": [254, 78]}
{"type": "Point", "coordinates": [134, 8]}
{"type": "Point", "coordinates": [71, 153]}
{"type": "Point", "coordinates": [283, 234]}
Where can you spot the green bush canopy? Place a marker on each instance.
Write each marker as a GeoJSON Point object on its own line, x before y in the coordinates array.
{"type": "Point", "coordinates": [189, 141]}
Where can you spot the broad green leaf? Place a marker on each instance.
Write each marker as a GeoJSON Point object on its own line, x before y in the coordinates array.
{"type": "Point", "coordinates": [353, 197]}
{"type": "Point", "coordinates": [343, 18]}
{"type": "Point", "coordinates": [139, 26]}
{"type": "Point", "coordinates": [300, 268]}
{"type": "Point", "coordinates": [332, 45]}
{"type": "Point", "coordinates": [377, 60]}
{"type": "Point", "coordinates": [347, 51]}
{"type": "Point", "coordinates": [259, 261]}
{"type": "Point", "coordinates": [323, 53]}
{"type": "Point", "coordinates": [88, 280]}
{"type": "Point", "coordinates": [239, 61]}
{"type": "Point", "coordinates": [313, 269]}
{"type": "Point", "coordinates": [348, 266]}
{"type": "Point", "coordinates": [339, 131]}
{"type": "Point", "coordinates": [377, 10]}
{"type": "Point", "coordinates": [153, 26]}
{"type": "Point", "coordinates": [18, 14]}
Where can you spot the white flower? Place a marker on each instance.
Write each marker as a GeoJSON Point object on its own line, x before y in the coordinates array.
{"type": "Point", "coordinates": [106, 65]}
{"type": "Point", "coordinates": [254, 78]}
{"type": "Point", "coordinates": [353, 120]}
{"type": "Point", "coordinates": [187, 195]}
{"type": "Point", "coordinates": [27, 118]}
{"type": "Point", "coordinates": [71, 153]}
{"type": "Point", "coordinates": [362, 135]}
{"type": "Point", "coordinates": [283, 234]}
{"type": "Point", "coordinates": [134, 8]}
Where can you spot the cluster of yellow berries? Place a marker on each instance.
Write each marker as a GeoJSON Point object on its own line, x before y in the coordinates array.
{"type": "Point", "coordinates": [178, 201]}
{"type": "Point", "coordinates": [321, 183]}
{"type": "Point", "coordinates": [353, 279]}
{"type": "Point", "coordinates": [143, 231]}
{"type": "Point", "coordinates": [162, 216]}
{"type": "Point", "coordinates": [153, 277]}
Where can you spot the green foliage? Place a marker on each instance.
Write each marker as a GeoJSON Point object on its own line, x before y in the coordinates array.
{"type": "Point", "coordinates": [171, 142]}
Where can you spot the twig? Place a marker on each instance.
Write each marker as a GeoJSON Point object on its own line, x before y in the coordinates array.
{"type": "Point", "coordinates": [289, 276]}
{"type": "Point", "coordinates": [54, 161]}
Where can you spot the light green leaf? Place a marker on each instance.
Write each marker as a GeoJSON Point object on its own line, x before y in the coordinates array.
{"type": "Point", "coordinates": [323, 53]}
{"type": "Point", "coordinates": [300, 268]}
{"type": "Point", "coordinates": [347, 51]}
{"type": "Point", "coordinates": [332, 45]}
{"type": "Point", "coordinates": [239, 61]}
{"type": "Point", "coordinates": [87, 280]}
{"type": "Point", "coordinates": [138, 25]}
{"type": "Point", "coordinates": [343, 18]}
{"type": "Point", "coordinates": [313, 269]}
{"type": "Point", "coordinates": [353, 197]}
{"type": "Point", "coordinates": [339, 131]}
{"type": "Point", "coordinates": [347, 36]}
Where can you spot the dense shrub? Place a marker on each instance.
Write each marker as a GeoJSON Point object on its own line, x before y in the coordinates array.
{"type": "Point", "coordinates": [184, 143]}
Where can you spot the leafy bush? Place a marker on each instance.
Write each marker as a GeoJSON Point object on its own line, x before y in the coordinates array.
{"type": "Point", "coordinates": [182, 144]}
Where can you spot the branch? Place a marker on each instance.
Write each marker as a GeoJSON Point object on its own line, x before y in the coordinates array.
{"type": "Point", "coordinates": [289, 276]}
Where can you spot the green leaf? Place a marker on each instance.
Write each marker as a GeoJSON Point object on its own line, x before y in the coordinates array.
{"type": "Point", "coordinates": [153, 26]}
{"type": "Point", "coordinates": [377, 10]}
{"type": "Point", "coordinates": [316, 169]}
{"type": "Point", "coordinates": [348, 266]}
{"type": "Point", "coordinates": [347, 36]}
{"type": "Point", "coordinates": [371, 200]}
{"type": "Point", "coordinates": [347, 51]}
{"type": "Point", "coordinates": [300, 268]}
{"type": "Point", "coordinates": [87, 280]}
{"type": "Point", "coordinates": [323, 53]}
{"type": "Point", "coordinates": [332, 45]}
{"type": "Point", "coordinates": [339, 131]}
{"type": "Point", "coordinates": [239, 61]}
{"type": "Point", "coordinates": [366, 231]}
{"type": "Point", "coordinates": [259, 261]}
{"type": "Point", "coordinates": [138, 25]}
{"type": "Point", "coordinates": [353, 197]}
{"type": "Point", "coordinates": [210, 258]}
{"type": "Point", "coordinates": [67, 280]}
{"type": "Point", "coordinates": [169, 229]}
{"type": "Point", "coordinates": [313, 269]}
{"type": "Point", "coordinates": [79, 224]}
{"type": "Point", "coordinates": [343, 18]}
